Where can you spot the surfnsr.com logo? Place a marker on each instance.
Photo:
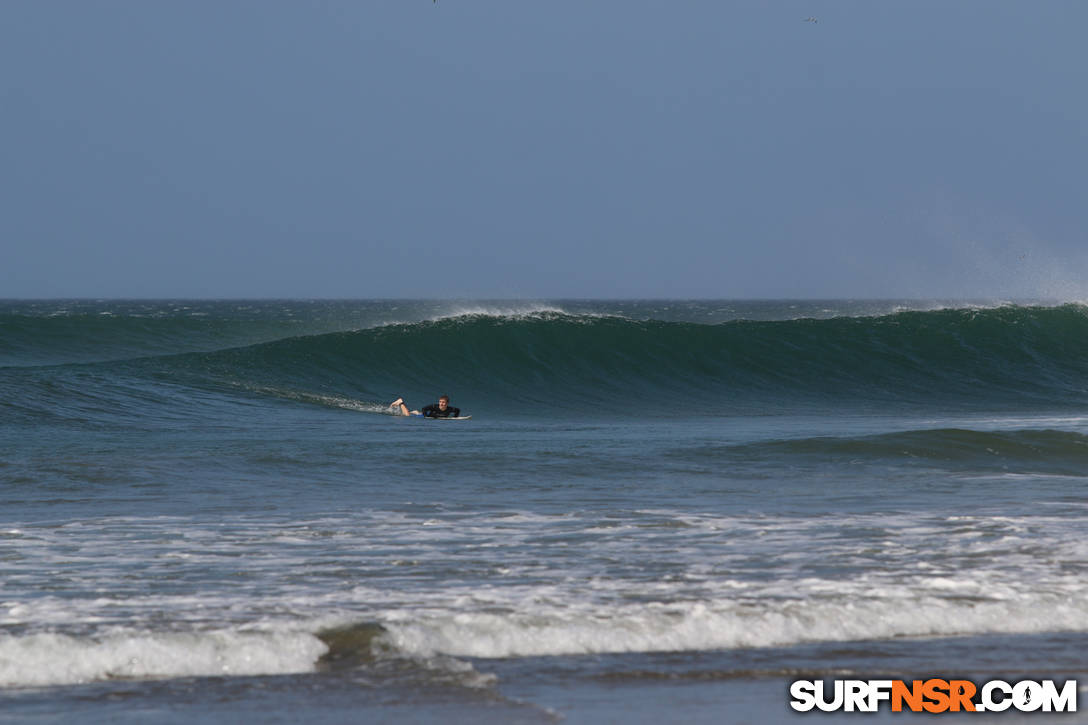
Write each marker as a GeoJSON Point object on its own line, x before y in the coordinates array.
{"type": "Point", "coordinates": [933, 695]}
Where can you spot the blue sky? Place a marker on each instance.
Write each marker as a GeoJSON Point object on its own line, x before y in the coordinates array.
{"type": "Point", "coordinates": [500, 149]}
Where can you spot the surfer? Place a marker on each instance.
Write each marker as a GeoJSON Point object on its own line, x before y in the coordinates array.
{"type": "Point", "coordinates": [441, 409]}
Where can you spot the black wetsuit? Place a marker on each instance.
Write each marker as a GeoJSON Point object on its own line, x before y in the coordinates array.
{"type": "Point", "coordinates": [433, 411]}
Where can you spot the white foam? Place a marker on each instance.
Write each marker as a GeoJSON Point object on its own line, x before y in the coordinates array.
{"type": "Point", "coordinates": [510, 311]}
{"type": "Point", "coordinates": [46, 658]}
{"type": "Point", "coordinates": [516, 312]}
{"type": "Point", "coordinates": [339, 401]}
{"type": "Point", "coordinates": [542, 622]}
{"type": "Point", "coordinates": [332, 401]}
{"type": "Point", "coordinates": [725, 624]}
{"type": "Point", "coordinates": [516, 583]}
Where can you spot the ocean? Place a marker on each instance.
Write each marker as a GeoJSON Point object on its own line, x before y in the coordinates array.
{"type": "Point", "coordinates": [660, 511]}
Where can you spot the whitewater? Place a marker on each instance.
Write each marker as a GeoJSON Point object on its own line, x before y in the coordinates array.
{"type": "Point", "coordinates": [661, 510]}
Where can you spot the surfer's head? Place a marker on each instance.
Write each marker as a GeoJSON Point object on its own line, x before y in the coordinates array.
{"type": "Point", "coordinates": [443, 401]}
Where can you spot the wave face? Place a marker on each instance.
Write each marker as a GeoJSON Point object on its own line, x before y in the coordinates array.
{"type": "Point", "coordinates": [997, 358]}
{"type": "Point", "coordinates": [1000, 358]}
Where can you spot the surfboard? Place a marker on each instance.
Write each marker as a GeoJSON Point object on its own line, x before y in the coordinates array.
{"type": "Point", "coordinates": [424, 417]}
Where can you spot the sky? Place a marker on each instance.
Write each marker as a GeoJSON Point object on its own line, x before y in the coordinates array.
{"type": "Point", "coordinates": [543, 150]}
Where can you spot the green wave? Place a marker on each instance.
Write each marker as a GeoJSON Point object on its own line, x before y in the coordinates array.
{"type": "Point", "coordinates": [1007, 357]}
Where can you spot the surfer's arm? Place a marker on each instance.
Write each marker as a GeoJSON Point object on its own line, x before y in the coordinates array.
{"type": "Point", "coordinates": [398, 404]}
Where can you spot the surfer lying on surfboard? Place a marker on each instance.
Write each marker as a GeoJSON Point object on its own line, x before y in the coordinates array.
{"type": "Point", "coordinates": [442, 409]}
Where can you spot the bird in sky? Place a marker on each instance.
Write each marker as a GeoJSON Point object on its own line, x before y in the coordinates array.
{"type": "Point", "coordinates": [811, 20]}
